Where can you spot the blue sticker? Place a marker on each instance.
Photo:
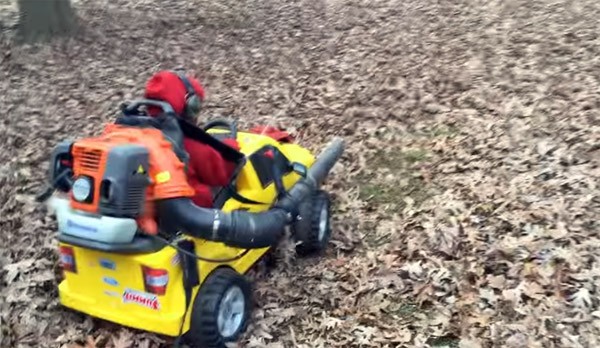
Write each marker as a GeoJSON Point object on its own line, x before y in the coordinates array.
{"type": "Point", "coordinates": [110, 281]}
{"type": "Point", "coordinates": [108, 264]}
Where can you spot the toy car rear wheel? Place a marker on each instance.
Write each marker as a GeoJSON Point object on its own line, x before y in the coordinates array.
{"type": "Point", "coordinates": [314, 230]}
{"type": "Point", "coordinates": [221, 310]}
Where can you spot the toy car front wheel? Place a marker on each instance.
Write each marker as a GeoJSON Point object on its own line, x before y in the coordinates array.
{"type": "Point", "coordinates": [314, 230]}
{"type": "Point", "coordinates": [221, 310]}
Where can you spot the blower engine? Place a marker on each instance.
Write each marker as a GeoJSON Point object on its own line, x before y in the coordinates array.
{"type": "Point", "coordinates": [113, 180]}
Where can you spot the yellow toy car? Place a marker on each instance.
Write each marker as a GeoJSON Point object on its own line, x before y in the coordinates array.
{"type": "Point", "coordinates": [136, 251]}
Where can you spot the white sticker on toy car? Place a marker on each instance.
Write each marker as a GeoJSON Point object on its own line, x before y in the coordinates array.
{"type": "Point", "coordinates": [111, 293]}
{"type": "Point", "coordinates": [142, 298]}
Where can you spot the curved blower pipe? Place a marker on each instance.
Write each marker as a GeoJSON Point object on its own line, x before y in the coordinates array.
{"type": "Point", "coordinates": [317, 172]}
{"type": "Point", "coordinates": [244, 229]}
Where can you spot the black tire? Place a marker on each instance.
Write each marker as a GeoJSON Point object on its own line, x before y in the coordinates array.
{"type": "Point", "coordinates": [204, 322]}
{"type": "Point", "coordinates": [314, 229]}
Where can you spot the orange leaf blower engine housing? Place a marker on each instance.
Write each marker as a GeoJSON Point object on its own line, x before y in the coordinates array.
{"type": "Point", "coordinates": [122, 172]}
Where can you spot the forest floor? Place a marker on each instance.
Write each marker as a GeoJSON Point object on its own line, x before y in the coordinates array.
{"type": "Point", "coordinates": [465, 208]}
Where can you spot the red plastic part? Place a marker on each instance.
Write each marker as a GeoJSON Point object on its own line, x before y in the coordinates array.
{"type": "Point", "coordinates": [155, 280]}
{"type": "Point", "coordinates": [67, 259]}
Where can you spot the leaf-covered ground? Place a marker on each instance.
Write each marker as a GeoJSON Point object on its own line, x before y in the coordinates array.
{"type": "Point", "coordinates": [466, 206]}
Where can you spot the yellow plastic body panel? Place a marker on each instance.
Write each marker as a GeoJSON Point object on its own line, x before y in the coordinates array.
{"type": "Point", "coordinates": [98, 286]}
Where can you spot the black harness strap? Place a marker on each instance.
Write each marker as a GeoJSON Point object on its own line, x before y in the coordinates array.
{"type": "Point", "coordinates": [232, 193]}
{"type": "Point", "coordinates": [194, 132]}
{"type": "Point", "coordinates": [191, 278]}
{"type": "Point", "coordinates": [229, 191]}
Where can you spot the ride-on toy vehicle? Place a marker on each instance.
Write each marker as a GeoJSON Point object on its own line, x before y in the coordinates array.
{"type": "Point", "coordinates": [137, 252]}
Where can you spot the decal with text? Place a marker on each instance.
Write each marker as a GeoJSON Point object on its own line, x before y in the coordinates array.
{"type": "Point", "coordinates": [142, 298]}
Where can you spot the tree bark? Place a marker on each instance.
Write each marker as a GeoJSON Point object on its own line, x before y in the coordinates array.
{"type": "Point", "coordinates": [42, 20]}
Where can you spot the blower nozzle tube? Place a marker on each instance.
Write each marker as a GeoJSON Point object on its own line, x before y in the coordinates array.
{"type": "Point", "coordinates": [244, 229]}
{"type": "Point", "coordinates": [319, 170]}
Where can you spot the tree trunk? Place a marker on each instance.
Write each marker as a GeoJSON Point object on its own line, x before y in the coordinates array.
{"type": "Point", "coordinates": [41, 20]}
